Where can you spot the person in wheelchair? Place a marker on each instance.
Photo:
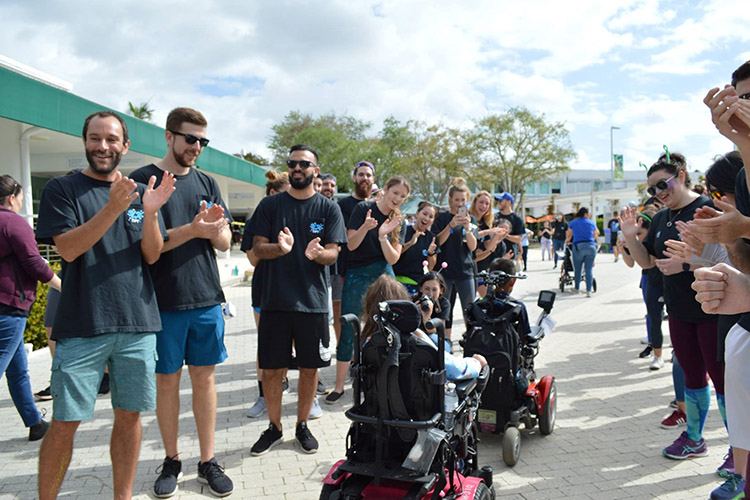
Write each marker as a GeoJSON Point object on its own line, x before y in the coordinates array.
{"type": "Point", "coordinates": [502, 294]}
{"type": "Point", "coordinates": [386, 288]}
{"type": "Point", "coordinates": [432, 301]}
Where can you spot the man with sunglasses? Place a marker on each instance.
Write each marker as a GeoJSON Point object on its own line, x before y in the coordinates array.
{"type": "Point", "coordinates": [189, 293]}
{"type": "Point", "coordinates": [297, 234]}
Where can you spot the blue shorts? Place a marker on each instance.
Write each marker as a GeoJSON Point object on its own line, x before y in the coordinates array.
{"type": "Point", "coordinates": [78, 367]}
{"type": "Point", "coordinates": [194, 337]}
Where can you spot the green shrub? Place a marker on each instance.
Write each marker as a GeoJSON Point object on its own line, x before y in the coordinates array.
{"type": "Point", "coordinates": [34, 333]}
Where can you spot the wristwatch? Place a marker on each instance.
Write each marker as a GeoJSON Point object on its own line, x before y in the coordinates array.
{"type": "Point", "coordinates": [686, 267]}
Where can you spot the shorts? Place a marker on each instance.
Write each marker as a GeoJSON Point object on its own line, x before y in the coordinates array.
{"type": "Point", "coordinates": [78, 367]}
{"type": "Point", "coordinates": [194, 336]}
{"type": "Point", "coordinates": [337, 284]}
{"type": "Point", "coordinates": [53, 298]}
{"type": "Point", "coordinates": [737, 386]}
{"type": "Point", "coordinates": [310, 334]}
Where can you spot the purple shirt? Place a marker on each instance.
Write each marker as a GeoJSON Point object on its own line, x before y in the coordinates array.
{"type": "Point", "coordinates": [19, 255]}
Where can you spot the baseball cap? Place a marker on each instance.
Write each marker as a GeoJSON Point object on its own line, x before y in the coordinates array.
{"type": "Point", "coordinates": [363, 164]}
{"type": "Point", "coordinates": [504, 196]}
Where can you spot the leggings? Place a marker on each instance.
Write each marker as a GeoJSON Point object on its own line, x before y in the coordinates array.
{"type": "Point", "coordinates": [695, 346]}
{"type": "Point", "coordinates": [466, 290]}
{"type": "Point", "coordinates": [547, 248]}
{"type": "Point", "coordinates": [654, 309]}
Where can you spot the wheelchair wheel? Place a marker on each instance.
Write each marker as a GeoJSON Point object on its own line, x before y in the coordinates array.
{"type": "Point", "coordinates": [483, 493]}
{"type": "Point", "coordinates": [549, 412]}
{"type": "Point", "coordinates": [593, 285]}
{"type": "Point", "coordinates": [562, 285]}
{"type": "Point", "coordinates": [511, 445]}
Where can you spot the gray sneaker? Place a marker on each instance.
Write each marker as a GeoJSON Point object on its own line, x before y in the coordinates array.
{"type": "Point", "coordinates": [169, 472]}
{"type": "Point", "coordinates": [212, 474]}
{"type": "Point", "coordinates": [258, 409]}
{"type": "Point", "coordinates": [316, 411]}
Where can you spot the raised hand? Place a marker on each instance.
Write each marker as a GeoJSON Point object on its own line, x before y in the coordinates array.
{"type": "Point", "coordinates": [722, 289]}
{"type": "Point", "coordinates": [215, 212]}
{"type": "Point", "coordinates": [389, 226]}
{"type": "Point", "coordinates": [286, 240]}
{"type": "Point", "coordinates": [730, 114]}
{"type": "Point", "coordinates": [154, 199]}
{"type": "Point", "coordinates": [433, 246]}
{"type": "Point", "coordinates": [313, 249]}
{"type": "Point", "coordinates": [630, 223]}
{"type": "Point", "coordinates": [713, 226]}
{"type": "Point", "coordinates": [695, 245]}
{"type": "Point", "coordinates": [121, 193]}
{"type": "Point", "coordinates": [369, 222]}
{"type": "Point", "coordinates": [678, 250]}
{"type": "Point", "coordinates": [417, 235]}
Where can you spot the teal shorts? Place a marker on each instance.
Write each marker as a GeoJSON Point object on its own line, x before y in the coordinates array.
{"type": "Point", "coordinates": [78, 367]}
{"type": "Point", "coordinates": [194, 337]}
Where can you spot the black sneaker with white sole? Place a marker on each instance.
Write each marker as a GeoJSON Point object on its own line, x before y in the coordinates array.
{"type": "Point", "coordinates": [270, 438]}
{"type": "Point", "coordinates": [169, 472]}
{"type": "Point", "coordinates": [212, 474]}
{"type": "Point", "coordinates": [306, 439]}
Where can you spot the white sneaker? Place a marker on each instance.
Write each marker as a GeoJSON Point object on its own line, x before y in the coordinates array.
{"type": "Point", "coordinates": [656, 364]}
{"type": "Point", "coordinates": [645, 341]}
{"type": "Point", "coordinates": [258, 409]}
{"type": "Point", "coordinates": [588, 295]}
{"type": "Point", "coordinates": [316, 411]}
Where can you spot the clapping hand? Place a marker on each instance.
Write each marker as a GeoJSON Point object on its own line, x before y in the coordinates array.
{"type": "Point", "coordinates": [286, 240]}
{"type": "Point", "coordinates": [722, 289]}
{"type": "Point", "coordinates": [154, 199]}
{"type": "Point", "coordinates": [122, 193]}
{"type": "Point", "coordinates": [313, 249]}
{"type": "Point", "coordinates": [389, 226]}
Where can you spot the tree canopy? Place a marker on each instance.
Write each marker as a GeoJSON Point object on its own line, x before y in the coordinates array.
{"type": "Point", "coordinates": [141, 111]}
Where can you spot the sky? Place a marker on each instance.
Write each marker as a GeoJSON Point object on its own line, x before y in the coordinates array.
{"type": "Point", "coordinates": [641, 65]}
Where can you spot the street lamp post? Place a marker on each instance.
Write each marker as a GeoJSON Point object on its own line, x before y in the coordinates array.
{"type": "Point", "coordinates": [612, 153]}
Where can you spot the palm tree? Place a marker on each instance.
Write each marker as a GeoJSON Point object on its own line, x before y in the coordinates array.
{"type": "Point", "coordinates": [142, 112]}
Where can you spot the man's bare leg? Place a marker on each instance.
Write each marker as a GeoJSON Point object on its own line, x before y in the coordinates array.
{"type": "Point", "coordinates": [204, 408]}
{"type": "Point", "coordinates": [308, 383]}
{"type": "Point", "coordinates": [124, 447]}
{"type": "Point", "coordinates": [54, 457]}
{"type": "Point", "coordinates": [168, 410]}
{"type": "Point", "coordinates": [272, 388]}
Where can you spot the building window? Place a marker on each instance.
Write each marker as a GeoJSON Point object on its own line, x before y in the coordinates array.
{"type": "Point", "coordinates": [530, 188]}
{"type": "Point", "coordinates": [544, 187]}
{"type": "Point", "coordinates": [556, 187]}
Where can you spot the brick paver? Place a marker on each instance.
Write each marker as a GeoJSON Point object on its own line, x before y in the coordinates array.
{"type": "Point", "coordinates": [606, 444]}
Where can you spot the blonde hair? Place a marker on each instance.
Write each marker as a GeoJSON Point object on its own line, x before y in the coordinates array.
{"type": "Point", "coordinates": [383, 288]}
{"type": "Point", "coordinates": [396, 180]}
{"type": "Point", "coordinates": [276, 180]}
{"type": "Point", "coordinates": [487, 218]}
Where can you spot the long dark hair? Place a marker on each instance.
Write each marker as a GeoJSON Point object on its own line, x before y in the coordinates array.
{"type": "Point", "coordinates": [582, 212]}
{"type": "Point", "coordinates": [8, 187]}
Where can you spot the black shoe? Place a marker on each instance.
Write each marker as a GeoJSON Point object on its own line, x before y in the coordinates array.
{"type": "Point", "coordinates": [44, 395]}
{"type": "Point", "coordinates": [270, 438]}
{"type": "Point", "coordinates": [212, 474]}
{"type": "Point", "coordinates": [104, 385]}
{"type": "Point", "coordinates": [306, 440]}
{"type": "Point", "coordinates": [646, 352]}
{"type": "Point", "coordinates": [322, 389]}
{"type": "Point", "coordinates": [37, 431]}
{"type": "Point", "coordinates": [334, 397]}
{"type": "Point", "coordinates": [169, 472]}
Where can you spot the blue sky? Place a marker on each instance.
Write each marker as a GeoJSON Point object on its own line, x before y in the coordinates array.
{"type": "Point", "coordinates": [642, 65]}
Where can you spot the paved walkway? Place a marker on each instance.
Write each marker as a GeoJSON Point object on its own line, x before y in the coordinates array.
{"type": "Point", "coordinates": [606, 444]}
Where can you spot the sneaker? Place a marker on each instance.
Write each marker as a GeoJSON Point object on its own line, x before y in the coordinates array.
{"type": "Point", "coordinates": [316, 411]}
{"type": "Point", "coordinates": [44, 395]}
{"type": "Point", "coordinates": [674, 420]}
{"type": "Point", "coordinates": [645, 341]}
{"type": "Point", "coordinates": [684, 447]}
{"type": "Point", "coordinates": [270, 438]}
{"type": "Point", "coordinates": [646, 352]}
{"type": "Point", "coordinates": [258, 409]}
{"type": "Point", "coordinates": [731, 489]}
{"type": "Point", "coordinates": [212, 474]}
{"type": "Point", "coordinates": [104, 384]}
{"type": "Point", "coordinates": [726, 469]}
{"type": "Point", "coordinates": [169, 472]}
{"type": "Point", "coordinates": [37, 431]}
{"type": "Point", "coordinates": [322, 389]}
{"type": "Point", "coordinates": [306, 440]}
{"type": "Point", "coordinates": [656, 364]}
{"type": "Point", "coordinates": [588, 295]}
{"type": "Point", "coordinates": [673, 404]}
{"type": "Point", "coordinates": [285, 386]}
{"type": "Point", "coordinates": [334, 397]}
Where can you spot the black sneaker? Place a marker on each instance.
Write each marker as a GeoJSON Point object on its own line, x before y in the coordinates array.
{"type": "Point", "coordinates": [322, 389]}
{"type": "Point", "coordinates": [212, 474]}
{"type": "Point", "coordinates": [270, 438]}
{"type": "Point", "coordinates": [646, 352]}
{"type": "Point", "coordinates": [37, 431]}
{"type": "Point", "coordinates": [44, 395]}
{"type": "Point", "coordinates": [169, 472]}
{"type": "Point", "coordinates": [104, 385]}
{"type": "Point", "coordinates": [306, 440]}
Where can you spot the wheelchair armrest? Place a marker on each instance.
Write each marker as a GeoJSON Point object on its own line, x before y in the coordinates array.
{"type": "Point", "coordinates": [465, 387]}
{"type": "Point", "coordinates": [537, 333]}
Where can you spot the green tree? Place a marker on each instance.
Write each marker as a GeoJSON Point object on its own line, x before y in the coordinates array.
{"type": "Point", "coordinates": [518, 147]}
{"type": "Point", "coordinates": [340, 140]}
{"type": "Point", "coordinates": [142, 111]}
{"type": "Point", "coordinates": [254, 158]}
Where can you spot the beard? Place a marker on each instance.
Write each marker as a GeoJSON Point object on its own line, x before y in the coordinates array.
{"type": "Point", "coordinates": [301, 183]}
{"type": "Point", "coordinates": [106, 169]}
{"type": "Point", "coordinates": [363, 189]}
{"type": "Point", "coordinates": [183, 159]}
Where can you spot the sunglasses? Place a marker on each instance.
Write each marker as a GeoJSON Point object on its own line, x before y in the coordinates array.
{"type": "Point", "coordinates": [745, 96]}
{"type": "Point", "coordinates": [716, 195]}
{"type": "Point", "coordinates": [304, 164]}
{"type": "Point", "coordinates": [191, 139]}
{"type": "Point", "coordinates": [660, 186]}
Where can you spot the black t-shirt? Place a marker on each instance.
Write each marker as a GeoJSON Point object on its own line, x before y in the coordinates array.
{"type": "Point", "coordinates": [484, 264]}
{"type": "Point", "coordinates": [108, 288]}
{"type": "Point", "coordinates": [443, 313]}
{"type": "Point", "coordinates": [410, 262]}
{"type": "Point", "coordinates": [292, 282]}
{"type": "Point", "coordinates": [546, 233]}
{"type": "Point", "coordinates": [742, 200]}
{"type": "Point", "coordinates": [559, 228]}
{"type": "Point", "coordinates": [186, 277]}
{"type": "Point", "coordinates": [257, 279]}
{"type": "Point", "coordinates": [679, 297]}
{"type": "Point", "coordinates": [517, 228]}
{"type": "Point", "coordinates": [454, 251]}
{"type": "Point", "coordinates": [369, 251]}
{"type": "Point", "coordinates": [346, 205]}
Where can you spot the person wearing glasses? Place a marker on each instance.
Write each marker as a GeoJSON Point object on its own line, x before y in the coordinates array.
{"type": "Point", "coordinates": [693, 331]}
{"type": "Point", "coordinates": [21, 267]}
{"type": "Point", "coordinates": [107, 228]}
{"type": "Point", "coordinates": [297, 234]}
{"type": "Point", "coordinates": [189, 292]}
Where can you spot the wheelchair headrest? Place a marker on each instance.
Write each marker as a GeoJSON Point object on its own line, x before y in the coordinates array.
{"type": "Point", "coordinates": [402, 314]}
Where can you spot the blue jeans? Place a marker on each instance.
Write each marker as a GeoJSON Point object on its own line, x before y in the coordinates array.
{"type": "Point", "coordinates": [583, 256]}
{"type": "Point", "coordinates": [558, 246]}
{"type": "Point", "coordinates": [16, 368]}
